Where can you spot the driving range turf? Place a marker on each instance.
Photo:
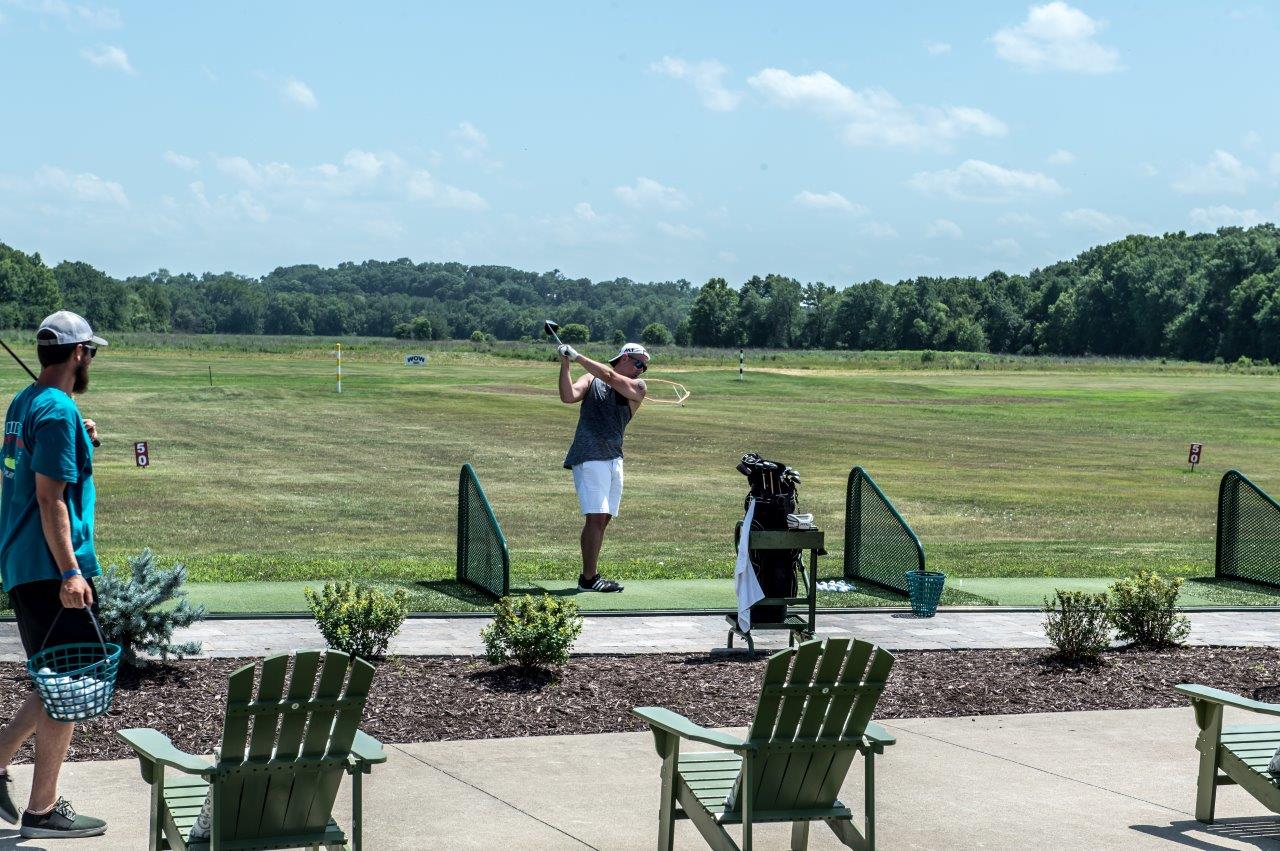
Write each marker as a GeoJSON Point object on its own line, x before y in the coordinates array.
{"type": "Point", "coordinates": [1016, 474]}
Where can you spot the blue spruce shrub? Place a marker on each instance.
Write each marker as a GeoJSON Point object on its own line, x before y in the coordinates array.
{"type": "Point", "coordinates": [131, 614]}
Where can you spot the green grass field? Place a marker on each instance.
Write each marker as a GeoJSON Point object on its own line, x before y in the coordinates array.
{"type": "Point", "coordinates": [1020, 468]}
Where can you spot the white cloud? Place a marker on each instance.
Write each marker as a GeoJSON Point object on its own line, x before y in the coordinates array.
{"type": "Point", "coordinates": [1056, 37]}
{"type": "Point", "coordinates": [1148, 170]}
{"type": "Point", "coordinates": [975, 180]}
{"type": "Point", "coordinates": [1222, 173]}
{"type": "Point", "coordinates": [359, 174]}
{"type": "Point", "coordinates": [1024, 220]}
{"type": "Point", "coordinates": [943, 227]}
{"type": "Point", "coordinates": [298, 93]}
{"type": "Point", "coordinates": [109, 57]}
{"type": "Point", "coordinates": [423, 187]}
{"type": "Point", "coordinates": [646, 192]}
{"type": "Point", "coordinates": [827, 201]}
{"type": "Point", "coordinates": [1086, 218]}
{"type": "Point", "coordinates": [1220, 216]}
{"type": "Point", "coordinates": [873, 116]}
{"type": "Point", "coordinates": [80, 187]}
{"type": "Point", "coordinates": [877, 230]}
{"type": "Point", "coordinates": [197, 192]}
{"type": "Point", "coordinates": [680, 231]}
{"type": "Point", "coordinates": [250, 207]}
{"type": "Point", "coordinates": [1004, 247]}
{"type": "Point", "coordinates": [1252, 139]}
{"type": "Point", "coordinates": [73, 15]}
{"type": "Point", "coordinates": [181, 161]}
{"type": "Point", "coordinates": [1061, 157]}
{"type": "Point", "coordinates": [707, 78]}
{"type": "Point", "coordinates": [473, 145]}
{"type": "Point", "coordinates": [470, 136]}
{"type": "Point", "coordinates": [583, 227]}
{"type": "Point", "coordinates": [937, 48]}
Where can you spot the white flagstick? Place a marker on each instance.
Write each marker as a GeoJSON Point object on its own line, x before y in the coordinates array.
{"type": "Point", "coordinates": [339, 358]}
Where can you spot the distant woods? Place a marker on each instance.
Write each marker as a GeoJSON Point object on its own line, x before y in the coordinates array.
{"type": "Point", "coordinates": [1198, 297]}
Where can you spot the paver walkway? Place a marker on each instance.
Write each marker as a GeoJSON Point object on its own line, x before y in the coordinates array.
{"type": "Point", "coordinates": [949, 630]}
{"type": "Point", "coordinates": [1072, 780]}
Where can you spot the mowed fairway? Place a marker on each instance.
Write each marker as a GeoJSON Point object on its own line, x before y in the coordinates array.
{"type": "Point", "coordinates": [270, 475]}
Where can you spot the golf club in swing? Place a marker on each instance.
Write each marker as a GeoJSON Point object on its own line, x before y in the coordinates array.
{"type": "Point", "coordinates": [14, 355]}
{"type": "Point", "coordinates": [551, 328]}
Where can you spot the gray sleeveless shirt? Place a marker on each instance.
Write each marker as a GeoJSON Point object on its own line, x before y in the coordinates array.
{"type": "Point", "coordinates": [602, 419]}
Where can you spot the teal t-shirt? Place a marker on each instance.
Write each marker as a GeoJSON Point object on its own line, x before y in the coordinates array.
{"type": "Point", "coordinates": [43, 433]}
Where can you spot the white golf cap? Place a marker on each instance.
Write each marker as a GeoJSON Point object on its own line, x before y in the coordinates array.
{"type": "Point", "coordinates": [634, 349]}
{"type": "Point", "coordinates": [65, 328]}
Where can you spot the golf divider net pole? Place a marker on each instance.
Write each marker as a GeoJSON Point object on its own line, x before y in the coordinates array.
{"type": "Point", "coordinates": [484, 562]}
{"type": "Point", "coordinates": [1248, 545]}
{"type": "Point", "coordinates": [879, 546]}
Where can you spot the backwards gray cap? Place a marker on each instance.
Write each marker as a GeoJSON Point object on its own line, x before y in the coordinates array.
{"type": "Point", "coordinates": [65, 328]}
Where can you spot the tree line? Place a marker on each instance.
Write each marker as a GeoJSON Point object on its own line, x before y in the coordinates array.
{"type": "Point", "coordinates": [1197, 296]}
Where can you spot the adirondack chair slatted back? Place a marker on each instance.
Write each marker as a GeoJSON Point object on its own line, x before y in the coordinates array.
{"type": "Point", "coordinates": [283, 751]}
{"type": "Point", "coordinates": [814, 707]}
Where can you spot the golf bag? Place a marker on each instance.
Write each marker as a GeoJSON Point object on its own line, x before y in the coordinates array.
{"type": "Point", "coordinates": [773, 487]}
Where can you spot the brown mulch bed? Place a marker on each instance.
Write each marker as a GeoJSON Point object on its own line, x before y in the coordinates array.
{"type": "Point", "coordinates": [430, 699]}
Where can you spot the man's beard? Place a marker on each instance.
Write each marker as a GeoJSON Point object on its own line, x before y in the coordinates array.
{"type": "Point", "coordinates": [82, 378]}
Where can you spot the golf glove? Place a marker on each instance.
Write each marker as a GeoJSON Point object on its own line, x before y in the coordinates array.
{"type": "Point", "coordinates": [567, 351]}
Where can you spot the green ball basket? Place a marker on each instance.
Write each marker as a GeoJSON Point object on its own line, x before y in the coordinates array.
{"type": "Point", "coordinates": [925, 589]}
{"type": "Point", "coordinates": [75, 682]}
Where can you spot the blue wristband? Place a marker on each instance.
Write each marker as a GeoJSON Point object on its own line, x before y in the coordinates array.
{"type": "Point", "coordinates": [67, 574]}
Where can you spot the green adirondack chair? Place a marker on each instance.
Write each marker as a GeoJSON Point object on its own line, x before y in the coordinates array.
{"type": "Point", "coordinates": [273, 782]}
{"type": "Point", "coordinates": [1239, 751]}
{"type": "Point", "coordinates": [813, 717]}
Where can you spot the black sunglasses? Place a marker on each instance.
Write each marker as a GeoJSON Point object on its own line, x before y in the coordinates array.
{"type": "Point", "coordinates": [641, 365]}
{"type": "Point", "coordinates": [93, 350]}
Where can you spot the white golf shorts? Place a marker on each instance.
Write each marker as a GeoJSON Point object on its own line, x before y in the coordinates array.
{"type": "Point", "coordinates": [599, 485]}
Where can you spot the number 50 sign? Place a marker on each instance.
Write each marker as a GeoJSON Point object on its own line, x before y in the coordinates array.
{"type": "Point", "coordinates": [140, 454]}
{"type": "Point", "coordinates": [1193, 455]}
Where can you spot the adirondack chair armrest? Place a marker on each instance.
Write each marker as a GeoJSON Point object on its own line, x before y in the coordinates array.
{"type": "Point", "coordinates": [367, 749]}
{"type": "Point", "coordinates": [1226, 698]}
{"type": "Point", "coordinates": [667, 721]}
{"type": "Point", "coordinates": [154, 748]}
{"type": "Point", "coordinates": [878, 736]}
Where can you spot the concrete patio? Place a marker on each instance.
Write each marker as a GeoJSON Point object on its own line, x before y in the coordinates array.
{"type": "Point", "coordinates": [1088, 780]}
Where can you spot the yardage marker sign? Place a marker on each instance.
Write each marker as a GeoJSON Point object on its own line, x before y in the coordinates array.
{"type": "Point", "coordinates": [1193, 455]}
{"type": "Point", "coordinates": [140, 454]}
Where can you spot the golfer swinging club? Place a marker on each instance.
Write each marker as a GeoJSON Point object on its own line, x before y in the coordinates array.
{"type": "Point", "coordinates": [610, 394]}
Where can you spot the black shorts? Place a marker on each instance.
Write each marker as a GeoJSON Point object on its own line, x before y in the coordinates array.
{"type": "Point", "coordinates": [36, 605]}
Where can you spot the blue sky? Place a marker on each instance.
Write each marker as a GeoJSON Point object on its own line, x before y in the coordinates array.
{"type": "Point", "coordinates": [839, 142]}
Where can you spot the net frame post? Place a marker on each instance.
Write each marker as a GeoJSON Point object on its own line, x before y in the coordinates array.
{"type": "Point", "coordinates": [1230, 538]}
{"type": "Point", "coordinates": [895, 580]}
{"type": "Point", "coordinates": [467, 478]}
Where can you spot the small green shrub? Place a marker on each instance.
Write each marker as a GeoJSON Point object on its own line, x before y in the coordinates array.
{"type": "Point", "coordinates": [656, 334]}
{"type": "Point", "coordinates": [1144, 610]}
{"type": "Point", "coordinates": [132, 611]}
{"type": "Point", "coordinates": [1078, 624]}
{"type": "Point", "coordinates": [575, 332]}
{"type": "Point", "coordinates": [532, 631]}
{"type": "Point", "coordinates": [358, 619]}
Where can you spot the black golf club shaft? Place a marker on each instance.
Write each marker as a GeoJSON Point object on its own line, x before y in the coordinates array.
{"type": "Point", "coordinates": [22, 364]}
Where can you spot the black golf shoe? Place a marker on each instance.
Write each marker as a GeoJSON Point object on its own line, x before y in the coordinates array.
{"type": "Point", "coordinates": [61, 822]}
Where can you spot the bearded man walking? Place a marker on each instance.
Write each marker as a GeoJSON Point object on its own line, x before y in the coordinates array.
{"type": "Point", "coordinates": [47, 558]}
